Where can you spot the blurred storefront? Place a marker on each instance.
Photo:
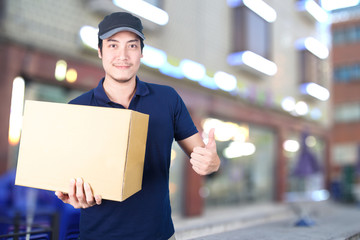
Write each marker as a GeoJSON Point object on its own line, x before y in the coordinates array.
{"type": "Point", "coordinates": [248, 158]}
{"type": "Point", "coordinates": [255, 110]}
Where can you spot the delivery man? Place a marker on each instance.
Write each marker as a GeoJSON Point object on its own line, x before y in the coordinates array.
{"type": "Point", "coordinates": [147, 213]}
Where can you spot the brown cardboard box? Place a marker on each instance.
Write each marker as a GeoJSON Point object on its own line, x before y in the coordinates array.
{"type": "Point", "coordinates": [103, 146]}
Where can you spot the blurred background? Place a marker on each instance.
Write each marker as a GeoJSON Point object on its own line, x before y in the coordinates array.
{"type": "Point", "coordinates": [279, 80]}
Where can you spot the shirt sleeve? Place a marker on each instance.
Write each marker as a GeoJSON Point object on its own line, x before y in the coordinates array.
{"type": "Point", "coordinates": [184, 126]}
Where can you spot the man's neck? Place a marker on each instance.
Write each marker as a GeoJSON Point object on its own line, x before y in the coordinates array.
{"type": "Point", "coordinates": [120, 92]}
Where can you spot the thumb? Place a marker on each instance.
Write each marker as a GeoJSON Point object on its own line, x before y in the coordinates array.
{"type": "Point", "coordinates": [211, 143]}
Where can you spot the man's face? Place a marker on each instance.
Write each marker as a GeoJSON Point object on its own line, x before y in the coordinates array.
{"type": "Point", "coordinates": [121, 54]}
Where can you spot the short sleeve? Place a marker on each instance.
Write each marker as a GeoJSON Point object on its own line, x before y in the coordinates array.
{"type": "Point", "coordinates": [184, 126]}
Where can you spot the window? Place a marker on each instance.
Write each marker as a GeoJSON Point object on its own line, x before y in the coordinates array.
{"type": "Point", "coordinates": [349, 112]}
{"type": "Point", "coordinates": [346, 35]}
{"type": "Point", "coordinates": [345, 154]}
{"type": "Point", "coordinates": [350, 73]}
{"type": "Point", "coordinates": [352, 34]}
{"type": "Point", "coordinates": [248, 156]}
{"type": "Point", "coordinates": [251, 37]}
{"type": "Point", "coordinates": [357, 30]}
{"type": "Point", "coordinates": [311, 68]}
{"type": "Point", "coordinates": [251, 32]}
{"type": "Point", "coordinates": [338, 37]}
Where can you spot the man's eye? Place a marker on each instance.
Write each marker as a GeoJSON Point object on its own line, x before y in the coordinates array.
{"type": "Point", "coordinates": [133, 46]}
{"type": "Point", "coordinates": [113, 45]}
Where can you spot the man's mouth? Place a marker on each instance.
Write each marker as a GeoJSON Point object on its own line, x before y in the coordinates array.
{"type": "Point", "coordinates": [121, 65]}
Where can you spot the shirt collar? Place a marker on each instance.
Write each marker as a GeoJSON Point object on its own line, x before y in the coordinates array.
{"type": "Point", "coordinates": [141, 88]}
{"type": "Point", "coordinates": [100, 95]}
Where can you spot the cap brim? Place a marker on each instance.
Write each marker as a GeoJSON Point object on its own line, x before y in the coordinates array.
{"type": "Point", "coordinates": [121, 29]}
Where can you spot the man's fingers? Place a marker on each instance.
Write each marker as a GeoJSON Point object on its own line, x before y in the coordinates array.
{"type": "Point", "coordinates": [201, 150]}
{"type": "Point", "coordinates": [197, 163]}
{"type": "Point", "coordinates": [195, 155]}
{"type": "Point", "coordinates": [80, 190]}
{"type": "Point", "coordinates": [98, 199]}
{"type": "Point", "coordinates": [89, 195]}
{"type": "Point", "coordinates": [59, 194]}
{"type": "Point", "coordinates": [72, 188]}
{"type": "Point", "coordinates": [198, 170]}
{"type": "Point", "coordinates": [80, 195]}
{"type": "Point", "coordinates": [203, 161]}
{"type": "Point", "coordinates": [72, 194]}
{"type": "Point", "coordinates": [62, 196]}
{"type": "Point", "coordinates": [211, 143]}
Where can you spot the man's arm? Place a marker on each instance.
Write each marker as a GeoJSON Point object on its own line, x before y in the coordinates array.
{"type": "Point", "coordinates": [203, 158]}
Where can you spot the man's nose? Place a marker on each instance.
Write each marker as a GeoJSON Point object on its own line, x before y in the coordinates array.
{"type": "Point", "coordinates": [122, 54]}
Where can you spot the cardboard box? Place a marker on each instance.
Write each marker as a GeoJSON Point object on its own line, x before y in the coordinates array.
{"type": "Point", "coordinates": [103, 146]}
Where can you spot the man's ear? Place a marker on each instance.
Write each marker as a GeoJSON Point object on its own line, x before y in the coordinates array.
{"type": "Point", "coordinates": [99, 53]}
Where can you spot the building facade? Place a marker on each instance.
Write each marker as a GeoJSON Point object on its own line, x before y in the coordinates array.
{"type": "Point", "coordinates": [345, 30]}
{"type": "Point", "coordinates": [241, 68]}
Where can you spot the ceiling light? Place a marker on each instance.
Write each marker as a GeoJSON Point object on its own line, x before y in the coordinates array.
{"type": "Point", "coordinates": [239, 149]}
{"type": "Point", "coordinates": [254, 61]}
{"type": "Point", "coordinates": [145, 10]}
{"type": "Point", "coordinates": [257, 6]}
{"type": "Point", "coordinates": [301, 108]}
{"type": "Point", "coordinates": [288, 104]}
{"type": "Point", "coordinates": [225, 81]}
{"type": "Point", "coordinates": [153, 57]}
{"type": "Point", "coordinates": [291, 146]}
{"type": "Point", "coordinates": [262, 9]}
{"type": "Point", "coordinates": [315, 91]}
{"type": "Point", "coordinates": [192, 70]}
{"type": "Point", "coordinates": [89, 36]}
{"type": "Point", "coordinates": [311, 7]}
{"type": "Point", "coordinates": [16, 110]}
{"type": "Point", "coordinates": [314, 46]}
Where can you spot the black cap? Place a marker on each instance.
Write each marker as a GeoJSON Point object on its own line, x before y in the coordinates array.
{"type": "Point", "coordinates": [118, 22]}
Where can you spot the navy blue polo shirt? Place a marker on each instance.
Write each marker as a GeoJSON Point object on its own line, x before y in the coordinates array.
{"type": "Point", "coordinates": [147, 213]}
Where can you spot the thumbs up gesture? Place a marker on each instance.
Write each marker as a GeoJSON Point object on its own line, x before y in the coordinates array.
{"type": "Point", "coordinates": [205, 160]}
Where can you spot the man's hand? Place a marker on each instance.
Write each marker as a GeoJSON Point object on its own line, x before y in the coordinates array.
{"type": "Point", "coordinates": [205, 160]}
{"type": "Point", "coordinates": [80, 195]}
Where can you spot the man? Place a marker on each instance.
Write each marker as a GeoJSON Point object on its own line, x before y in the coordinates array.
{"type": "Point", "coordinates": [146, 214]}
